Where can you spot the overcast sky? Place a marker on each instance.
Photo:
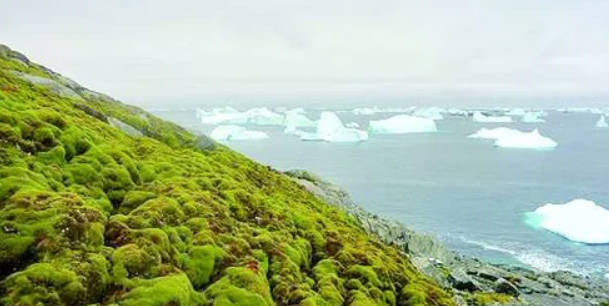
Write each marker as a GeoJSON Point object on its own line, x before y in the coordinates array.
{"type": "Point", "coordinates": [161, 52]}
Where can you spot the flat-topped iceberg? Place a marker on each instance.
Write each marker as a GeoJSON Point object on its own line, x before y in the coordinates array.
{"type": "Point", "coordinates": [579, 220]}
{"type": "Point", "coordinates": [228, 115]}
{"type": "Point", "coordinates": [402, 124]}
{"type": "Point", "coordinates": [496, 133]}
{"type": "Point", "coordinates": [480, 117]}
{"type": "Point", "coordinates": [523, 140]}
{"type": "Point", "coordinates": [234, 132]}
{"type": "Point", "coordinates": [330, 128]}
{"type": "Point", "coordinates": [532, 117]}
{"type": "Point", "coordinates": [512, 138]}
{"type": "Point", "coordinates": [453, 111]}
{"type": "Point", "coordinates": [602, 123]}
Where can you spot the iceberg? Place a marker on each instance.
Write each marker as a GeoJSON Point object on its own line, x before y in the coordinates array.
{"type": "Point", "coordinates": [234, 132]}
{"type": "Point", "coordinates": [579, 220]}
{"type": "Point", "coordinates": [433, 113]}
{"type": "Point", "coordinates": [229, 115]}
{"type": "Point", "coordinates": [295, 119]}
{"type": "Point", "coordinates": [496, 133]}
{"type": "Point", "coordinates": [532, 117]}
{"type": "Point", "coordinates": [330, 128]}
{"type": "Point", "coordinates": [602, 123]}
{"type": "Point", "coordinates": [375, 109]}
{"type": "Point", "coordinates": [402, 124]}
{"type": "Point", "coordinates": [480, 117]}
{"type": "Point", "coordinates": [352, 125]}
{"type": "Point", "coordinates": [523, 140]}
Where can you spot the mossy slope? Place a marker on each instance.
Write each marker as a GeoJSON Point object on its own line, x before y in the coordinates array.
{"type": "Point", "coordinates": [92, 214]}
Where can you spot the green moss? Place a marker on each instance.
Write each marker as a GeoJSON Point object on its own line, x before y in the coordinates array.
{"type": "Point", "coordinates": [150, 220]}
{"type": "Point", "coordinates": [45, 284]}
{"type": "Point", "coordinates": [239, 286]}
{"type": "Point", "coordinates": [167, 290]}
{"type": "Point", "coordinates": [484, 298]}
{"type": "Point", "coordinates": [199, 264]}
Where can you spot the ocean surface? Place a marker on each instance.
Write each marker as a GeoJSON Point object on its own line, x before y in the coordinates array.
{"type": "Point", "coordinates": [466, 192]}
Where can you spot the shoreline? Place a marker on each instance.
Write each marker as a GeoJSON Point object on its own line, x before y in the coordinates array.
{"type": "Point", "coordinates": [463, 274]}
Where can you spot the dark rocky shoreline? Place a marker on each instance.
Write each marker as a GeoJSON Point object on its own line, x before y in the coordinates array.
{"type": "Point", "coordinates": [465, 275]}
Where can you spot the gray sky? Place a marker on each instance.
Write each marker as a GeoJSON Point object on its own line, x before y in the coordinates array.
{"type": "Point", "coordinates": [158, 52]}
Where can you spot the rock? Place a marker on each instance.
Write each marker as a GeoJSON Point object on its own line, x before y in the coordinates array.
{"type": "Point", "coordinates": [461, 281]}
{"type": "Point", "coordinates": [205, 143]}
{"type": "Point", "coordinates": [91, 112]}
{"type": "Point", "coordinates": [126, 128]}
{"type": "Point", "coordinates": [504, 286]}
{"type": "Point", "coordinates": [54, 85]}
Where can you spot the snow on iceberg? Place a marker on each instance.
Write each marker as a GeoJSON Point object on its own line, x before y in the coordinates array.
{"type": "Point", "coordinates": [480, 117]}
{"type": "Point", "coordinates": [532, 117]}
{"type": "Point", "coordinates": [579, 220]}
{"type": "Point", "coordinates": [523, 140]}
{"type": "Point", "coordinates": [330, 128]}
{"type": "Point", "coordinates": [602, 123]}
{"type": "Point", "coordinates": [496, 133]}
{"type": "Point", "coordinates": [402, 124]}
{"type": "Point", "coordinates": [433, 113]}
{"type": "Point", "coordinates": [234, 132]}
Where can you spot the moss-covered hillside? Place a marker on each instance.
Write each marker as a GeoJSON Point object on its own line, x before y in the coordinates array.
{"type": "Point", "coordinates": [102, 203]}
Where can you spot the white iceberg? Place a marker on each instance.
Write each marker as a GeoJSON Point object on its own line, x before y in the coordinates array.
{"type": "Point", "coordinates": [229, 115]}
{"type": "Point", "coordinates": [402, 124]}
{"type": "Point", "coordinates": [234, 132]}
{"type": "Point", "coordinates": [579, 220]}
{"type": "Point", "coordinates": [480, 117]}
{"type": "Point", "coordinates": [295, 119]}
{"type": "Point", "coordinates": [532, 117]}
{"type": "Point", "coordinates": [433, 113]}
{"type": "Point", "coordinates": [354, 125]}
{"type": "Point", "coordinates": [602, 123]}
{"type": "Point", "coordinates": [523, 140]}
{"type": "Point", "coordinates": [330, 128]}
{"type": "Point", "coordinates": [496, 133]}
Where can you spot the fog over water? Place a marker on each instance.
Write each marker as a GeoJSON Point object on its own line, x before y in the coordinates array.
{"type": "Point", "coordinates": [157, 53]}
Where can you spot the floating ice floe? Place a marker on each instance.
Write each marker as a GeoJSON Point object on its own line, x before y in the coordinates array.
{"type": "Point", "coordinates": [234, 132]}
{"type": "Point", "coordinates": [330, 128]}
{"type": "Point", "coordinates": [579, 220]}
{"type": "Point", "coordinates": [511, 138]}
{"type": "Point", "coordinates": [433, 113]}
{"type": "Point", "coordinates": [402, 124]}
{"type": "Point", "coordinates": [532, 117]}
{"type": "Point", "coordinates": [496, 133]}
{"type": "Point", "coordinates": [354, 125]}
{"type": "Point", "coordinates": [480, 117]}
{"type": "Point", "coordinates": [523, 140]}
{"type": "Point", "coordinates": [602, 123]}
{"type": "Point", "coordinates": [229, 115]}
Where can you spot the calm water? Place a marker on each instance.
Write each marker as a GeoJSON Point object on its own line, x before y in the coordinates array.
{"type": "Point", "coordinates": [464, 191]}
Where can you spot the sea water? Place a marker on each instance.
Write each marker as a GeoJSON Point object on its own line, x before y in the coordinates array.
{"type": "Point", "coordinates": [466, 192]}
